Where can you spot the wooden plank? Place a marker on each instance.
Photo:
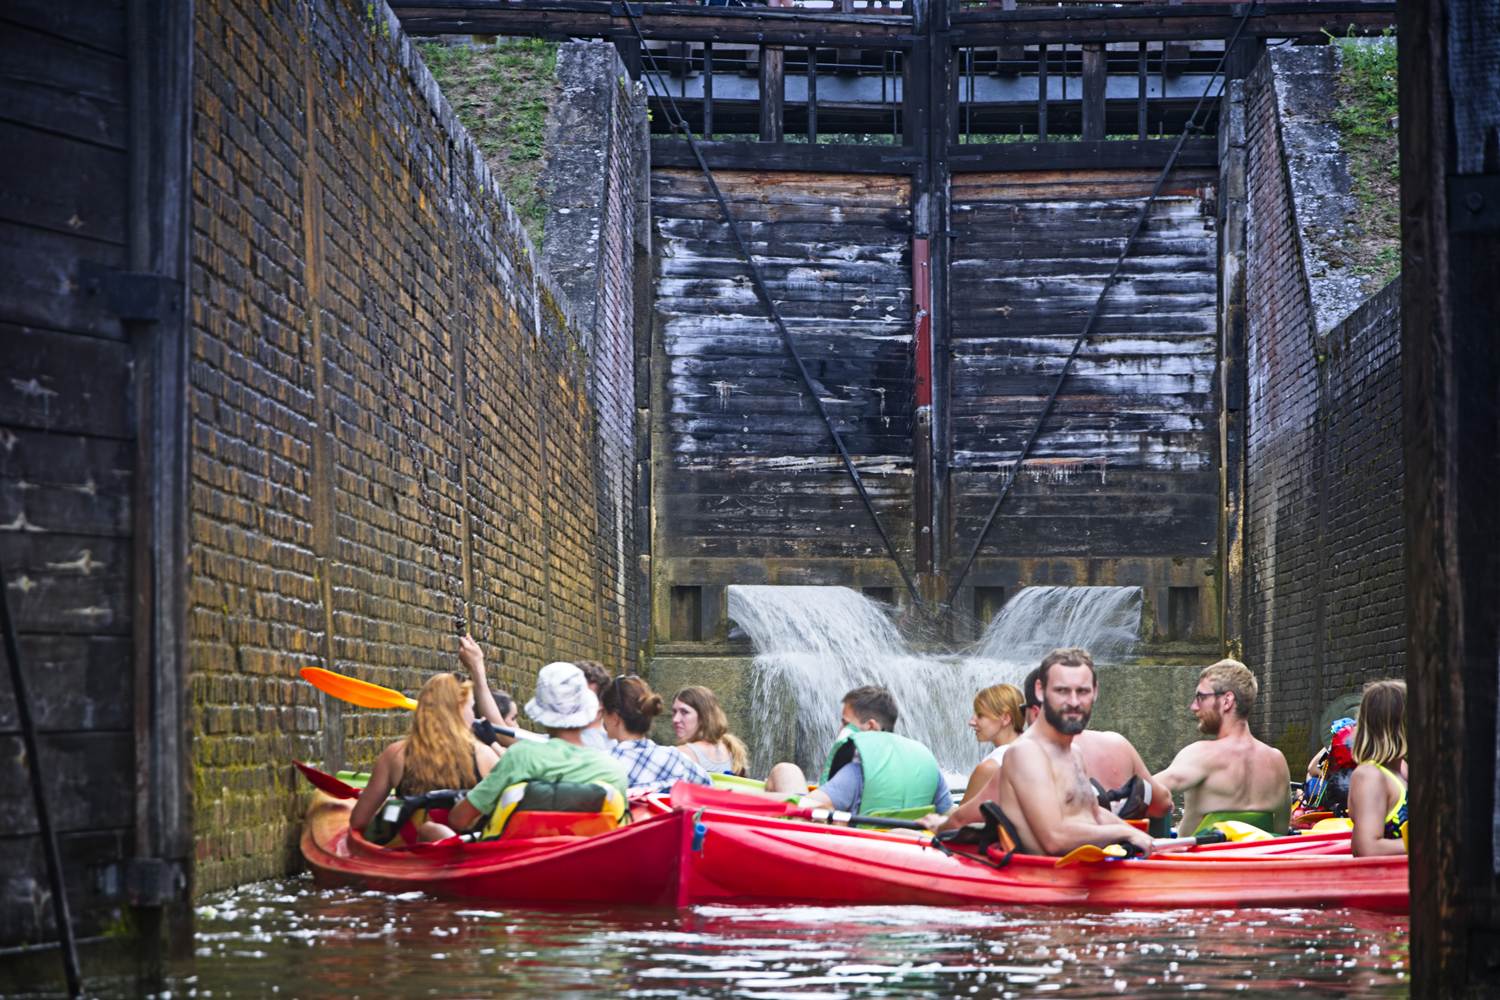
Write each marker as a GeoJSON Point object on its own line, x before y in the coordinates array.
{"type": "Point", "coordinates": [44, 286]}
{"type": "Point", "coordinates": [62, 86]}
{"type": "Point", "coordinates": [99, 25]}
{"type": "Point", "coordinates": [76, 683]}
{"type": "Point", "coordinates": [1076, 24]}
{"type": "Point", "coordinates": [23, 881]}
{"type": "Point", "coordinates": [794, 156]}
{"type": "Point", "coordinates": [1056, 155]}
{"type": "Point", "coordinates": [87, 778]}
{"type": "Point", "coordinates": [82, 484]}
{"type": "Point", "coordinates": [75, 585]}
{"type": "Point", "coordinates": [64, 383]}
{"type": "Point", "coordinates": [656, 21]}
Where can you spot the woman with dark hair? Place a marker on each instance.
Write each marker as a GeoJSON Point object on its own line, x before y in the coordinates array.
{"type": "Point", "coordinates": [1377, 790]}
{"type": "Point", "coordinates": [440, 751]}
{"type": "Point", "coordinates": [629, 707]}
{"type": "Point", "coordinates": [703, 734]}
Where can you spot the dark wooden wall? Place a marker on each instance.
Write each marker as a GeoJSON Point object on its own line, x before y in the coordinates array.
{"type": "Point", "coordinates": [67, 450]}
{"type": "Point", "coordinates": [1122, 486]}
{"type": "Point", "coordinates": [1126, 465]}
{"type": "Point", "coordinates": [745, 466]}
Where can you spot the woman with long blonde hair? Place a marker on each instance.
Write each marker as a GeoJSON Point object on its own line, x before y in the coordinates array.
{"type": "Point", "coordinates": [702, 731]}
{"type": "Point", "coordinates": [439, 751]}
{"type": "Point", "coordinates": [1377, 789]}
{"type": "Point", "coordinates": [999, 716]}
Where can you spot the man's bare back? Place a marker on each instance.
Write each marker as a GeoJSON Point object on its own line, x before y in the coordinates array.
{"type": "Point", "coordinates": [1235, 773]}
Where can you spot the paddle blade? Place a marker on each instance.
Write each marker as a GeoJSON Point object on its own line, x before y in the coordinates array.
{"type": "Point", "coordinates": [1242, 833]}
{"type": "Point", "coordinates": [354, 691]}
{"type": "Point", "coordinates": [325, 782]}
{"type": "Point", "coordinates": [1089, 854]}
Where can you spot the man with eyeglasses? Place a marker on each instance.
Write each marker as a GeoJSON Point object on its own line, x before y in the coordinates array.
{"type": "Point", "coordinates": [1231, 775]}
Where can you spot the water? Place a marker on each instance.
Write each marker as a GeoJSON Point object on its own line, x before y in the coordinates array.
{"type": "Point", "coordinates": [815, 643]}
{"type": "Point", "coordinates": [291, 939]}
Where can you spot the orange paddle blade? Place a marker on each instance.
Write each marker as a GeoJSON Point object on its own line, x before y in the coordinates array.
{"type": "Point", "coordinates": [1089, 854]}
{"type": "Point", "coordinates": [355, 692]}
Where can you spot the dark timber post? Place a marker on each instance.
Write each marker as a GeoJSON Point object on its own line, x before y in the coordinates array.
{"type": "Point", "coordinates": [1095, 79]}
{"type": "Point", "coordinates": [929, 130]}
{"type": "Point", "coordinates": [772, 87]}
{"type": "Point", "coordinates": [1450, 311]}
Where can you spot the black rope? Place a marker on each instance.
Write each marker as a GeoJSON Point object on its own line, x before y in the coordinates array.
{"type": "Point", "coordinates": [678, 123]}
{"type": "Point", "coordinates": [39, 797]}
{"type": "Point", "coordinates": [1190, 128]}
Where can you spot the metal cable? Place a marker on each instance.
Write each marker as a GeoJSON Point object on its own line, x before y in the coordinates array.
{"type": "Point", "coordinates": [1190, 128]}
{"type": "Point", "coordinates": [678, 123]}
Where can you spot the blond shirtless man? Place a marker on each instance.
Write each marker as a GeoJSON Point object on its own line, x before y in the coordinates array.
{"type": "Point", "coordinates": [1043, 786]}
{"type": "Point", "coordinates": [1231, 775]}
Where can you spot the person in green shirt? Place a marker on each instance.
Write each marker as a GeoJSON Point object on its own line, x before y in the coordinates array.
{"type": "Point", "coordinates": [564, 706]}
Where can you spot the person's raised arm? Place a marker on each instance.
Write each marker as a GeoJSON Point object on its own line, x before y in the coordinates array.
{"type": "Point", "coordinates": [472, 657]}
{"type": "Point", "coordinates": [377, 789]}
{"type": "Point", "coordinates": [1368, 805]}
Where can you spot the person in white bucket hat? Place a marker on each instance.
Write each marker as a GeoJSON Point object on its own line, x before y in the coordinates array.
{"type": "Point", "coordinates": [564, 706]}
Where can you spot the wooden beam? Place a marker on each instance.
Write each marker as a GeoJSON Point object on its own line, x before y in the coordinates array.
{"type": "Point", "coordinates": [1095, 77]}
{"type": "Point", "coordinates": [772, 92]}
{"type": "Point", "coordinates": [1100, 155]}
{"type": "Point", "coordinates": [1450, 249]}
{"type": "Point", "coordinates": [658, 21]}
{"type": "Point", "coordinates": [1076, 25]}
{"type": "Point", "coordinates": [820, 158]}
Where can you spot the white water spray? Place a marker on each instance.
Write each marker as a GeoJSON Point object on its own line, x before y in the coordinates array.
{"type": "Point", "coordinates": [813, 644]}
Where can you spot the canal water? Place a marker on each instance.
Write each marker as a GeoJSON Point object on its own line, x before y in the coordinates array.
{"type": "Point", "coordinates": [290, 938]}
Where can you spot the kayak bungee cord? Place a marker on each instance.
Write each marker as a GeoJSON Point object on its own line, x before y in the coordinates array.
{"type": "Point", "coordinates": [675, 120]}
{"type": "Point", "coordinates": [39, 797]}
{"type": "Point", "coordinates": [1192, 126]}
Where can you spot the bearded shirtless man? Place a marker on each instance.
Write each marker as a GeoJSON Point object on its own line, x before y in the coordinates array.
{"type": "Point", "coordinates": [1230, 775]}
{"type": "Point", "coordinates": [1043, 787]}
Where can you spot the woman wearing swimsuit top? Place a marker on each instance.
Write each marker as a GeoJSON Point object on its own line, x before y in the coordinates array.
{"type": "Point", "coordinates": [1377, 790]}
{"type": "Point", "coordinates": [440, 751]}
{"type": "Point", "coordinates": [703, 735]}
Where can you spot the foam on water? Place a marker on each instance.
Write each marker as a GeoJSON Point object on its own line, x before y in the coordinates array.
{"type": "Point", "coordinates": [813, 644]}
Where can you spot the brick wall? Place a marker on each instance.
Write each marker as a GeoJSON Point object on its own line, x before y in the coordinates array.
{"type": "Point", "coordinates": [392, 423]}
{"type": "Point", "coordinates": [1322, 573]}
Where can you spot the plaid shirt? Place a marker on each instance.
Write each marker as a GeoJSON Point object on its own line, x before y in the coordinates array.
{"type": "Point", "coordinates": [653, 767]}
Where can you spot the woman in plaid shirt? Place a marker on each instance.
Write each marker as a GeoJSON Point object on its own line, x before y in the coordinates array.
{"type": "Point", "coordinates": [629, 707]}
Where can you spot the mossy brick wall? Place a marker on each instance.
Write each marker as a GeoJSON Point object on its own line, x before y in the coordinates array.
{"type": "Point", "coordinates": [391, 417]}
{"type": "Point", "coordinates": [1323, 567]}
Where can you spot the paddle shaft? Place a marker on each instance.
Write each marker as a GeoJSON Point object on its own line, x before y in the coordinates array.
{"type": "Point", "coordinates": [849, 819]}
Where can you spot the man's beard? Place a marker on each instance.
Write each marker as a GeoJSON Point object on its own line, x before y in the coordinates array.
{"type": "Point", "coordinates": [1068, 727]}
{"type": "Point", "coordinates": [1209, 725]}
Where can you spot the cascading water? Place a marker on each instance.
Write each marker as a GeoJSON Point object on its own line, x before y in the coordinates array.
{"type": "Point", "coordinates": [813, 644]}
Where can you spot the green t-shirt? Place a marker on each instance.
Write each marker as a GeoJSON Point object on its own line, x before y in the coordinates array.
{"type": "Point", "coordinates": [554, 760]}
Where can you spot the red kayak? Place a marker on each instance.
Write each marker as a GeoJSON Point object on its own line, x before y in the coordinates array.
{"type": "Point", "coordinates": [741, 857]}
{"type": "Point", "coordinates": [696, 850]}
{"type": "Point", "coordinates": [633, 865]}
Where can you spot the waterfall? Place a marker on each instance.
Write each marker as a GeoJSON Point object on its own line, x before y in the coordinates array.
{"type": "Point", "coordinates": [813, 644]}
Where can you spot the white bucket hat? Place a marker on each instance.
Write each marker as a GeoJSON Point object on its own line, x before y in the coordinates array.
{"type": "Point", "coordinates": [563, 699]}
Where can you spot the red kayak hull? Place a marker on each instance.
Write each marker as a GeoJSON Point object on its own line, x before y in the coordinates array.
{"type": "Point", "coordinates": [634, 865]}
{"type": "Point", "coordinates": [749, 859]}
{"type": "Point", "coordinates": [682, 857]}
